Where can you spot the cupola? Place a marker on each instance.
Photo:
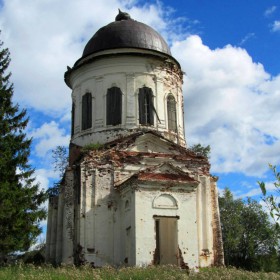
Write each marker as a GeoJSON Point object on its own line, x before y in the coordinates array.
{"type": "Point", "coordinates": [125, 32]}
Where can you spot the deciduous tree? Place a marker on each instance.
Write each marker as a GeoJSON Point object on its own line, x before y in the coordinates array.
{"type": "Point", "coordinates": [60, 159]}
{"type": "Point", "coordinates": [60, 162]}
{"type": "Point", "coordinates": [273, 200]}
{"type": "Point", "coordinates": [248, 236]}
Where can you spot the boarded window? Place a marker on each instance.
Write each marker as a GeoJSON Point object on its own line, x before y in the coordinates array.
{"type": "Point", "coordinates": [86, 111]}
{"type": "Point", "coordinates": [73, 119]}
{"type": "Point", "coordinates": [171, 113]}
{"type": "Point", "coordinates": [146, 106]}
{"type": "Point", "coordinates": [114, 106]}
{"type": "Point", "coordinates": [166, 240]}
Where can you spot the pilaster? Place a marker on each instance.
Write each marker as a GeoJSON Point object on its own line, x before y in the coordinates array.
{"type": "Point", "coordinates": [68, 226]}
{"type": "Point", "coordinates": [130, 111]}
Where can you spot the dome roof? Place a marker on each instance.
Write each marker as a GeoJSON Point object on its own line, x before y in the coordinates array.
{"type": "Point", "coordinates": [125, 32]}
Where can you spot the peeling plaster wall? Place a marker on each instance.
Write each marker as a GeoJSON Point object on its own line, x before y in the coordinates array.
{"type": "Point", "coordinates": [117, 196]}
{"type": "Point", "coordinates": [145, 225]}
{"type": "Point", "coordinates": [68, 222]}
{"type": "Point", "coordinates": [99, 217]}
{"type": "Point", "coordinates": [204, 221]}
{"type": "Point", "coordinates": [110, 198]}
{"type": "Point", "coordinates": [129, 73]}
{"type": "Point", "coordinates": [60, 230]}
{"type": "Point", "coordinates": [127, 231]}
{"type": "Point", "coordinates": [114, 202]}
{"type": "Point", "coordinates": [217, 230]}
{"type": "Point", "coordinates": [105, 220]}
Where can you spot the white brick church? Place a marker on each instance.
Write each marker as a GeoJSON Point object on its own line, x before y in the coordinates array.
{"type": "Point", "coordinates": [132, 194]}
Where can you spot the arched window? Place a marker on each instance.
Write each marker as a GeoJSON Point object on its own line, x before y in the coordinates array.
{"type": "Point", "coordinates": [86, 111]}
{"type": "Point", "coordinates": [146, 106]}
{"type": "Point", "coordinates": [114, 106]}
{"type": "Point", "coordinates": [171, 113]}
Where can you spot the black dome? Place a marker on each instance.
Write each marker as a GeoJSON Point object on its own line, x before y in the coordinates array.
{"type": "Point", "coordinates": [126, 33]}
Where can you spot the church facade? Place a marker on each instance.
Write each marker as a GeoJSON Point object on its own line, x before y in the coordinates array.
{"type": "Point", "coordinates": [132, 194]}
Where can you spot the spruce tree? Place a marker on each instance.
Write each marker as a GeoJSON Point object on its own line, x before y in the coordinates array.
{"type": "Point", "coordinates": [20, 198]}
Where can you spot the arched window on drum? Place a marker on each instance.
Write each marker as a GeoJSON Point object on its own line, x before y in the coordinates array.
{"type": "Point", "coordinates": [171, 113]}
{"type": "Point", "coordinates": [114, 106]}
{"type": "Point", "coordinates": [146, 107]}
{"type": "Point", "coordinates": [86, 111]}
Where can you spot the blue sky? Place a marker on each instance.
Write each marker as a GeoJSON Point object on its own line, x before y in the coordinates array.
{"type": "Point", "coordinates": [248, 24]}
{"type": "Point", "coordinates": [229, 51]}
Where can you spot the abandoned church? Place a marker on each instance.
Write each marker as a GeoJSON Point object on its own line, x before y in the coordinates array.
{"type": "Point", "coordinates": [133, 193]}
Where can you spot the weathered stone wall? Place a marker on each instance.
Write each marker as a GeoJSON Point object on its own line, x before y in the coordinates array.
{"type": "Point", "coordinates": [217, 230]}
{"type": "Point", "coordinates": [129, 73]}
{"type": "Point", "coordinates": [120, 192]}
{"type": "Point", "coordinates": [145, 215]}
{"type": "Point", "coordinates": [204, 222]}
{"type": "Point", "coordinates": [116, 201]}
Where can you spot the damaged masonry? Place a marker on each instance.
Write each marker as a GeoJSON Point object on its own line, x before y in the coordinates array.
{"type": "Point", "coordinates": [132, 194]}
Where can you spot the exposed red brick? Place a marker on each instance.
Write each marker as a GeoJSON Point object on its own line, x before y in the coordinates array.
{"type": "Point", "coordinates": [165, 177]}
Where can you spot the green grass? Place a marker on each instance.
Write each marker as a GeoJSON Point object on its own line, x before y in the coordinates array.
{"type": "Point", "coordinates": [19, 272]}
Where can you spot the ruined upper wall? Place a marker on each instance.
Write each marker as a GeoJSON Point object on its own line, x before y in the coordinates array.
{"type": "Point", "coordinates": [129, 73]}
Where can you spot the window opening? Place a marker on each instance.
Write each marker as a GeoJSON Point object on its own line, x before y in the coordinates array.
{"type": "Point", "coordinates": [114, 106]}
{"type": "Point", "coordinates": [86, 111]}
{"type": "Point", "coordinates": [146, 106]}
{"type": "Point", "coordinates": [171, 113]}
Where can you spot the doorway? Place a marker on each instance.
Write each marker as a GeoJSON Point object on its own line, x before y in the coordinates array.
{"type": "Point", "coordinates": [166, 240]}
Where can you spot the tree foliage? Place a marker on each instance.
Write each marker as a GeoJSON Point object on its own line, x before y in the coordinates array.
{"type": "Point", "coordinates": [249, 239]}
{"type": "Point", "coordinates": [272, 200]}
{"type": "Point", "coordinates": [60, 162]}
{"type": "Point", "coordinates": [201, 150]}
{"type": "Point", "coordinates": [20, 197]}
{"type": "Point", "coordinates": [60, 159]}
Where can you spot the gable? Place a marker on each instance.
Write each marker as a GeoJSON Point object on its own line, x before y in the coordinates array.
{"type": "Point", "coordinates": [150, 143]}
{"type": "Point", "coordinates": [166, 172]}
{"type": "Point", "coordinates": [162, 174]}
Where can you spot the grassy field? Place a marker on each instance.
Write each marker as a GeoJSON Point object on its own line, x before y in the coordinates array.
{"type": "Point", "coordinates": [162, 273]}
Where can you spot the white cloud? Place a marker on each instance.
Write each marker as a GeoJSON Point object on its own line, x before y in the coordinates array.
{"type": "Point", "coordinates": [246, 38]}
{"type": "Point", "coordinates": [230, 103]}
{"type": "Point", "coordinates": [253, 192]}
{"type": "Point", "coordinates": [270, 11]}
{"type": "Point", "coordinates": [44, 177]}
{"type": "Point", "coordinates": [276, 26]}
{"type": "Point", "coordinates": [46, 36]}
{"type": "Point", "coordinates": [48, 137]}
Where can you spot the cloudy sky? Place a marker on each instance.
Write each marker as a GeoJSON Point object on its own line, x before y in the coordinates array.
{"type": "Point", "coordinates": [228, 50]}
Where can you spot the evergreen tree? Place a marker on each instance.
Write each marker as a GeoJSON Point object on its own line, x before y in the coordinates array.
{"type": "Point", "coordinates": [20, 197]}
